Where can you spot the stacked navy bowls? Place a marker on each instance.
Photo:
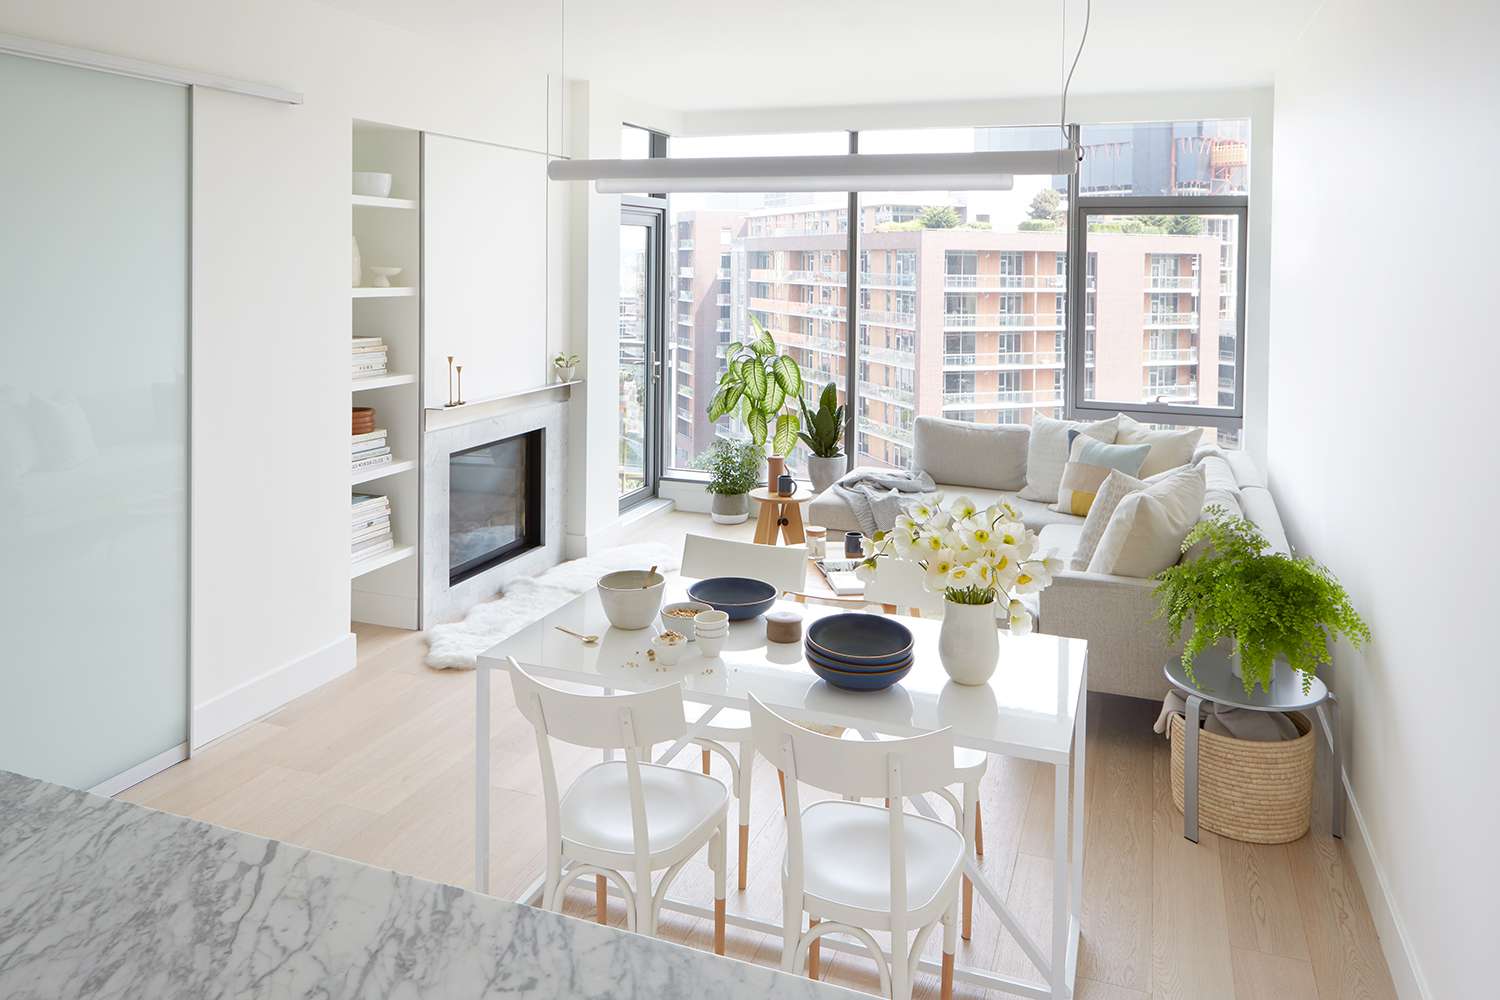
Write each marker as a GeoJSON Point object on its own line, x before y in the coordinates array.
{"type": "Point", "coordinates": [859, 652]}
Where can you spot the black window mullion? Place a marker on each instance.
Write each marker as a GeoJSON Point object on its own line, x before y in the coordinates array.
{"type": "Point", "coordinates": [851, 322]}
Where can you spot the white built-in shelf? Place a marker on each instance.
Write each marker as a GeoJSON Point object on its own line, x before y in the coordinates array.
{"type": "Point", "coordinates": [385, 558]}
{"type": "Point", "coordinates": [383, 293]}
{"type": "Point", "coordinates": [437, 417]}
{"type": "Point", "coordinates": [381, 471]}
{"type": "Point", "coordinates": [370, 201]}
{"type": "Point", "coordinates": [381, 382]}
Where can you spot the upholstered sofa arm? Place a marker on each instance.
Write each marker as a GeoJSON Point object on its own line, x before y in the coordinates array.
{"type": "Point", "coordinates": [1127, 648]}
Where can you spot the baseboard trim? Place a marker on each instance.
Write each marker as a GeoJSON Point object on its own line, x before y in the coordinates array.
{"type": "Point", "coordinates": [271, 690]}
{"type": "Point", "coordinates": [145, 769]}
{"type": "Point", "coordinates": [1406, 972]}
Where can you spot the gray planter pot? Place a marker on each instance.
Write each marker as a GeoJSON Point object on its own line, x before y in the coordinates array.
{"type": "Point", "coordinates": [824, 472]}
{"type": "Point", "coordinates": [729, 508]}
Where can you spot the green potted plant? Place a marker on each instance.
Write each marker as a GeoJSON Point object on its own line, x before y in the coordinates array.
{"type": "Point", "coordinates": [824, 437]}
{"type": "Point", "coordinates": [566, 366]}
{"type": "Point", "coordinates": [759, 384]}
{"type": "Point", "coordinates": [1273, 609]}
{"type": "Point", "coordinates": [733, 471]}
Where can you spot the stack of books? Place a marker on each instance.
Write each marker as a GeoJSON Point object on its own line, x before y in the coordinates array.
{"type": "Point", "coordinates": [369, 357]}
{"type": "Point", "coordinates": [372, 525]}
{"type": "Point", "coordinates": [370, 450]}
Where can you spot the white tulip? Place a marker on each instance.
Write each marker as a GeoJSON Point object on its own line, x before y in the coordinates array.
{"type": "Point", "coordinates": [1020, 619]}
{"type": "Point", "coordinates": [865, 570]}
{"type": "Point", "coordinates": [962, 508]}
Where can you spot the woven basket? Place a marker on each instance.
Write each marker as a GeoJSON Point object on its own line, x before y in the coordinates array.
{"type": "Point", "coordinates": [1249, 790]}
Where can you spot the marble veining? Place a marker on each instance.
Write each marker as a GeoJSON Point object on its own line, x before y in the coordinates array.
{"type": "Point", "coordinates": [101, 898]}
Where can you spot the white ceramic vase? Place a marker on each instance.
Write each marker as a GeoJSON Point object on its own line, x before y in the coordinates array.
{"type": "Point", "coordinates": [969, 643]}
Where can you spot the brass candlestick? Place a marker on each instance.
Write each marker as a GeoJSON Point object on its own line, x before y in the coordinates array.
{"type": "Point", "coordinates": [450, 380]}
{"type": "Point", "coordinates": [460, 386]}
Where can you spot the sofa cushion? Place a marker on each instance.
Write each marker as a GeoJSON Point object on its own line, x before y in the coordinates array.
{"type": "Point", "coordinates": [992, 456]}
{"type": "Point", "coordinates": [1144, 535]}
{"type": "Point", "coordinates": [1047, 453]}
{"type": "Point", "coordinates": [829, 509]}
{"type": "Point", "coordinates": [1217, 475]}
{"type": "Point", "coordinates": [1061, 540]}
{"type": "Point", "coordinates": [1246, 473]}
{"type": "Point", "coordinates": [1261, 509]}
{"type": "Point", "coordinates": [1169, 448]}
{"type": "Point", "coordinates": [1088, 464]}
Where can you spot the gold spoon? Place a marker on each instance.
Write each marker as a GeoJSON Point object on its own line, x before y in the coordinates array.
{"type": "Point", "coordinates": [588, 640]}
{"type": "Point", "coordinates": [649, 574]}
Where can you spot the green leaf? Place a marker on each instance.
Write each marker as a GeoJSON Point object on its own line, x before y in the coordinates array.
{"type": "Point", "coordinates": [829, 400]}
{"type": "Point", "coordinates": [788, 375]}
{"type": "Point", "coordinates": [756, 424]}
{"type": "Point", "coordinates": [763, 344]}
{"type": "Point", "coordinates": [786, 434]}
{"type": "Point", "coordinates": [754, 378]}
{"type": "Point", "coordinates": [732, 396]}
{"type": "Point", "coordinates": [718, 406]}
{"type": "Point", "coordinates": [775, 397]}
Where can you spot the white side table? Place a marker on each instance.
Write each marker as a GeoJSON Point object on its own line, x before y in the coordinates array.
{"type": "Point", "coordinates": [1217, 683]}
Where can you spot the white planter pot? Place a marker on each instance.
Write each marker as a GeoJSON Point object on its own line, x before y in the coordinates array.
{"type": "Point", "coordinates": [969, 642]}
{"type": "Point", "coordinates": [824, 472]}
{"type": "Point", "coordinates": [1283, 677]}
{"type": "Point", "coordinates": [729, 508]}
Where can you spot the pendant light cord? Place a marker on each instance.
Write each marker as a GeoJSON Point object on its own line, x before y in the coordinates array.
{"type": "Point", "coordinates": [1088, 12]}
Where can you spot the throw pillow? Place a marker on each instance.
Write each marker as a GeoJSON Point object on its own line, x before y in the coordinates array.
{"type": "Point", "coordinates": [1144, 535]}
{"type": "Point", "coordinates": [1047, 453]}
{"type": "Point", "coordinates": [1169, 448]}
{"type": "Point", "coordinates": [1116, 487]}
{"type": "Point", "coordinates": [958, 453]}
{"type": "Point", "coordinates": [1088, 464]}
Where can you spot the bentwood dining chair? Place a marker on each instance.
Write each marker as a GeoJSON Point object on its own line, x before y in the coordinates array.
{"type": "Point", "coordinates": [854, 868]}
{"type": "Point", "coordinates": [624, 816]}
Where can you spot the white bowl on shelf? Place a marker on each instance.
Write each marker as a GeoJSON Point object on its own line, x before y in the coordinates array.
{"type": "Point", "coordinates": [383, 276]}
{"type": "Point", "coordinates": [372, 184]}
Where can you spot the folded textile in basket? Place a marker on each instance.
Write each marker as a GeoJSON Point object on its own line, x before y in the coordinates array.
{"type": "Point", "coordinates": [1236, 723]}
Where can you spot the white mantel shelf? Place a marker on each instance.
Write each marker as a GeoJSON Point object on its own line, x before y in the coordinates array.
{"type": "Point", "coordinates": [438, 417]}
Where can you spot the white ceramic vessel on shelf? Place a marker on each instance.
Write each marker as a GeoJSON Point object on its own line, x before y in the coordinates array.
{"type": "Point", "coordinates": [359, 271]}
{"type": "Point", "coordinates": [383, 276]}
{"type": "Point", "coordinates": [969, 643]}
{"type": "Point", "coordinates": [372, 184]}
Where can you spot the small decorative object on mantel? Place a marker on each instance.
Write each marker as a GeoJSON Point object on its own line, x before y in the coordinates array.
{"type": "Point", "coordinates": [459, 370]}
{"type": "Point", "coordinates": [383, 276]}
{"type": "Point", "coordinates": [565, 366]}
{"type": "Point", "coordinates": [1272, 612]}
{"type": "Point", "coordinates": [974, 558]}
{"type": "Point", "coordinates": [450, 382]}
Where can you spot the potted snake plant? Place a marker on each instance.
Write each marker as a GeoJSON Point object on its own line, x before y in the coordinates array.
{"type": "Point", "coordinates": [824, 437]}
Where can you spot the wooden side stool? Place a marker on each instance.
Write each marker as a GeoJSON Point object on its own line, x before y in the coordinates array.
{"type": "Point", "coordinates": [779, 515]}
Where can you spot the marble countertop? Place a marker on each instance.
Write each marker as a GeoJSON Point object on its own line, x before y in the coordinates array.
{"type": "Point", "coordinates": [101, 898]}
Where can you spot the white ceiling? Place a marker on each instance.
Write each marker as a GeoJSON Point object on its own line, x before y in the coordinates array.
{"type": "Point", "coordinates": [696, 55]}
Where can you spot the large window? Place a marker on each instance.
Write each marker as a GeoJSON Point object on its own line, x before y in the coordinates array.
{"type": "Point", "coordinates": [779, 257]}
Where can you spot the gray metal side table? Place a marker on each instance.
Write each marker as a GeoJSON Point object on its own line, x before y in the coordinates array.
{"type": "Point", "coordinates": [1217, 683]}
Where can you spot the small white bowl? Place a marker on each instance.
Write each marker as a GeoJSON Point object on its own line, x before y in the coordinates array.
{"type": "Point", "coordinates": [710, 646]}
{"type": "Point", "coordinates": [631, 598]}
{"type": "Point", "coordinates": [372, 184]}
{"type": "Point", "coordinates": [711, 619]}
{"type": "Point", "coordinates": [668, 651]}
{"type": "Point", "coordinates": [686, 624]}
{"type": "Point", "coordinates": [383, 276]}
{"type": "Point", "coordinates": [710, 633]}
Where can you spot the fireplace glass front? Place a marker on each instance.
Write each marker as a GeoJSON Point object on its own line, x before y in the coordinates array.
{"type": "Point", "coordinates": [494, 503]}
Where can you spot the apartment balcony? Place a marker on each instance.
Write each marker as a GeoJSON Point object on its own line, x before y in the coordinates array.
{"type": "Point", "coordinates": [819, 277]}
{"type": "Point", "coordinates": [888, 356]}
{"type": "Point", "coordinates": [887, 279]}
{"type": "Point", "coordinates": [685, 414]}
{"type": "Point", "coordinates": [722, 326]}
{"type": "Point", "coordinates": [884, 430]}
{"type": "Point", "coordinates": [1171, 356]}
{"type": "Point", "coordinates": [684, 272]}
{"type": "Point", "coordinates": [684, 296]}
{"type": "Point", "coordinates": [684, 245]}
{"type": "Point", "coordinates": [825, 345]}
{"type": "Point", "coordinates": [1172, 321]}
{"type": "Point", "coordinates": [1001, 398]}
{"type": "Point", "coordinates": [1004, 282]}
{"type": "Point", "coordinates": [811, 310]}
{"type": "Point", "coordinates": [723, 274]}
{"type": "Point", "coordinates": [889, 393]}
{"type": "Point", "coordinates": [1172, 283]}
{"type": "Point", "coordinates": [904, 320]}
{"type": "Point", "coordinates": [1171, 393]}
{"type": "Point", "coordinates": [722, 299]}
{"type": "Point", "coordinates": [1002, 360]}
{"type": "Point", "coordinates": [1002, 321]}
{"type": "Point", "coordinates": [684, 320]}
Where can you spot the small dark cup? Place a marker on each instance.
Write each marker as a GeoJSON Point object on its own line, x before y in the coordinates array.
{"type": "Point", "coordinates": [786, 485]}
{"type": "Point", "coordinates": [853, 545]}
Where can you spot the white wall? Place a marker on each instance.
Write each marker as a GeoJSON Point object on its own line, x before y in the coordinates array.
{"type": "Point", "coordinates": [1383, 356]}
{"type": "Point", "coordinates": [270, 300]}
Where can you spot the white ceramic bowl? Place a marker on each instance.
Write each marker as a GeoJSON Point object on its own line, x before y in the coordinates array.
{"type": "Point", "coordinates": [685, 624]}
{"type": "Point", "coordinates": [372, 184]}
{"type": "Point", "coordinates": [710, 630]}
{"type": "Point", "coordinates": [631, 597]}
{"type": "Point", "coordinates": [711, 645]}
{"type": "Point", "coordinates": [711, 619]}
{"type": "Point", "coordinates": [668, 653]}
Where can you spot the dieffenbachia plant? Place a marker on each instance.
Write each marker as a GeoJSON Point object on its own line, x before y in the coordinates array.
{"type": "Point", "coordinates": [761, 385]}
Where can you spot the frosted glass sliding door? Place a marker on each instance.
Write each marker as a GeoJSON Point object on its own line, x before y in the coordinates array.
{"type": "Point", "coordinates": [93, 421]}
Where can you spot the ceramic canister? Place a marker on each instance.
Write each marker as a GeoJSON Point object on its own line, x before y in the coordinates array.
{"type": "Point", "coordinates": [786, 485]}
{"type": "Point", "coordinates": [853, 545]}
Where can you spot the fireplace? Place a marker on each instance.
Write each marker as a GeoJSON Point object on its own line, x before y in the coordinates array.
{"type": "Point", "coordinates": [494, 503]}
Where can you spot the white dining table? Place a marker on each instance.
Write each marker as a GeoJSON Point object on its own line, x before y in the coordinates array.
{"type": "Point", "coordinates": [1033, 708]}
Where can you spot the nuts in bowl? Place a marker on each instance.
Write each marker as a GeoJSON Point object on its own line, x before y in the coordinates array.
{"type": "Point", "coordinates": [678, 617]}
{"type": "Point", "coordinates": [668, 647]}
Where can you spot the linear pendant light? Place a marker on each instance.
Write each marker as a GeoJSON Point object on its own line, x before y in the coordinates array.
{"type": "Point", "coordinates": [983, 171]}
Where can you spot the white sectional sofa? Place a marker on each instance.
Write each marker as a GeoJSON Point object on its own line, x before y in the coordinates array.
{"type": "Point", "coordinates": [1127, 644]}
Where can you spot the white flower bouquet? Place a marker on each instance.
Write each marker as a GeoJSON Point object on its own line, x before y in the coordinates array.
{"type": "Point", "coordinates": [971, 556]}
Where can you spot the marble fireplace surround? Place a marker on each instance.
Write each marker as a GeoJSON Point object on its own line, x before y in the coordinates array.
{"type": "Point", "coordinates": [440, 602]}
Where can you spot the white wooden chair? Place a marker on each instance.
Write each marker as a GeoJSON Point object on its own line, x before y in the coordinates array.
{"type": "Point", "coordinates": [624, 815]}
{"type": "Point", "coordinates": [715, 730]}
{"type": "Point", "coordinates": [854, 868]}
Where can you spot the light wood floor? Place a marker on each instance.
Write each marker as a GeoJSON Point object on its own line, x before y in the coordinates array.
{"type": "Point", "coordinates": [378, 766]}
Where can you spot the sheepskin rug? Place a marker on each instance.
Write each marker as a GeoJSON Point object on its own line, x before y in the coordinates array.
{"type": "Point", "coordinates": [457, 644]}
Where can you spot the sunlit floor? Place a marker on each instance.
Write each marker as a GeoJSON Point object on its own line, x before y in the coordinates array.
{"type": "Point", "coordinates": [378, 766]}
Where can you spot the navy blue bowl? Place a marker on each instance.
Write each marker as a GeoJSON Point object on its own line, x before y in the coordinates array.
{"type": "Point", "coordinates": [813, 656]}
{"type": "Point", "coordinates": [856, 638]}
{"type": "Point", "coordinates": [860, 681]}
{"type": "Point", "coordinates": [739, 597]}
